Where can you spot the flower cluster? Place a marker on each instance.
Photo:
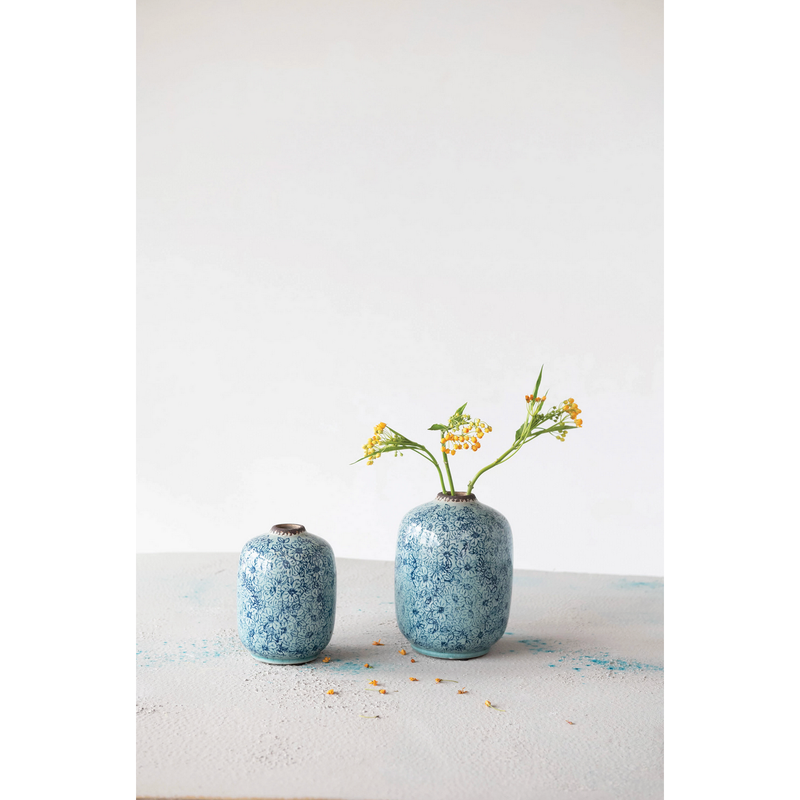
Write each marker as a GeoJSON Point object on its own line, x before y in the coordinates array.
{"type": "Point", "coordinates": [461, 432]}
{"type": "Point", "coordinates": [380, 442]}
{"type": "Point", "coordinates": [373, 443]}
{"type": "Point", "coordinates": [570, 407]}
{"type": "Point", "coordinates": [464, 437]}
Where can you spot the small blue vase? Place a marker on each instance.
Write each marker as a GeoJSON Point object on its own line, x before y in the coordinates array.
{"type": "Point", "coordinates": [452, 577]}
{"type": "Point", "coordinates": [286, 595]}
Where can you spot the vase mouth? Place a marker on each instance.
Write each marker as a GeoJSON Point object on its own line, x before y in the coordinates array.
{"type": "Point", "coordinates": [288, 528]}
{"type": "Point", "coordinates": [458, 497]}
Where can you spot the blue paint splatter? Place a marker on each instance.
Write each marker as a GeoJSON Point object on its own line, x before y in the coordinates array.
{"type": "Point", "coordinates": [626, 583]}
{"type": "Point", "coordinates": [349, 667]}
{"type": "Point", "coordinates": [537, 645]}
{"type": "Point", "coordinates": [199, 652]}
{"type": "Point", "coordinates": [621, 666]}
{"type": "Point", "coordinates": [590, 660]}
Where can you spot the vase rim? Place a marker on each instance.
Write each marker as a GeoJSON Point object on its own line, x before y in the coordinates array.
{"type": "Point", "coordinates": [458, 497]}
{"type": "Point", "coordinates": [288, 529]}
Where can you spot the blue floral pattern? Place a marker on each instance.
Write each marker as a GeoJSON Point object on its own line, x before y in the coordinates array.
{"type": "Point", "coordinates": [453, 574]}
{"type": "Point", "coordinates": [286, 596]}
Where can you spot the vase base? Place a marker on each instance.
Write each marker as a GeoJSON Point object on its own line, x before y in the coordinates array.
{"type": "Point", "coordinates": [454, 656]}
{"type": "Point", "coordinates": [283, 660]}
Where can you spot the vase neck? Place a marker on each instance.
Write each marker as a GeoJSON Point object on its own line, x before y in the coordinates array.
{"type": "Point", "coordinates": [288, 529]}
{"type": "Point", "coordinates": [458, 497]}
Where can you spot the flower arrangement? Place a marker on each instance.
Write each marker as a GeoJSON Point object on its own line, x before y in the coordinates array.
{"type": "Point", "coordinates": [462, 433]}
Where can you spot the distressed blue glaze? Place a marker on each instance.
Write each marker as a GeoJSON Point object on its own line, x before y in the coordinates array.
{"type": "Point", "coordinates": [286, 597]}
{"type": "Point", "coordinates": [453, 574]}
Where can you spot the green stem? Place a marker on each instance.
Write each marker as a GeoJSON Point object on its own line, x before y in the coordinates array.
{"type": "Point", "coordinates": [449, 476]}
{"type": "Point", "coordinates": [494, 463]}
{"type": "Point", "coordinates": [430, 457]}
{"type": "Point", "coordinates": [527, 436]}
{"type": "Point", "coordinates": [441, 480]}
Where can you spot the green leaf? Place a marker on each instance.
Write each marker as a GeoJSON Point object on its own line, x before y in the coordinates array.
{"type": "Point", "coordinates": [438, 427]}
{"type": "Point", "coordinates": [397, 433]}
{"type": "Point", "coordinates": [519, 431]}
{"type": "Point", "coordinates": [460, 410]}
{"type": "Point", "coordinates": [538, 381]}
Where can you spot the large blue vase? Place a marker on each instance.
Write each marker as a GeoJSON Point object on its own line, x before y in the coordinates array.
{"type": "Point", "coordinates": [452, 577]}
{"type": "Point", "coordinates": [286, 595]}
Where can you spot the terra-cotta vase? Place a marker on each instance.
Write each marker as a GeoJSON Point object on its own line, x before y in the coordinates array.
{"type": "Point", "coordinates": [452, 578]}
{"type": "Point", "coordinates": [286, 595]}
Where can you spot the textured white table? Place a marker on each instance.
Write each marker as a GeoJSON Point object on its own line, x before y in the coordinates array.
{"type": "Point", "coordinates": [580, 649]}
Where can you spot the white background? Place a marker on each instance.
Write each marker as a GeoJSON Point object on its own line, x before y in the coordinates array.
{"type": "Point", "coordinates": [69, 417]}
{"type": "Point", "coordinates": [356, 212]}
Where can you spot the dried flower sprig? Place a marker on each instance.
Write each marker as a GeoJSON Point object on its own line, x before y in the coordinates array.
{"type": "Point", "coordinates": [462, 433]}
{"type": "Point", "coordinates": [393, 442]}
{"type": "Point", "coordinates": [538, 422]}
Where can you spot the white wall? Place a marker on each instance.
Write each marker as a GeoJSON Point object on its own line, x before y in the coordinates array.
{"type": "Point", "coordinates": [352, 212]}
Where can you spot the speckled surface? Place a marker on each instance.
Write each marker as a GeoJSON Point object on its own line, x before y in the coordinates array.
{"type": "Point", "coordinates": [581, 649]}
